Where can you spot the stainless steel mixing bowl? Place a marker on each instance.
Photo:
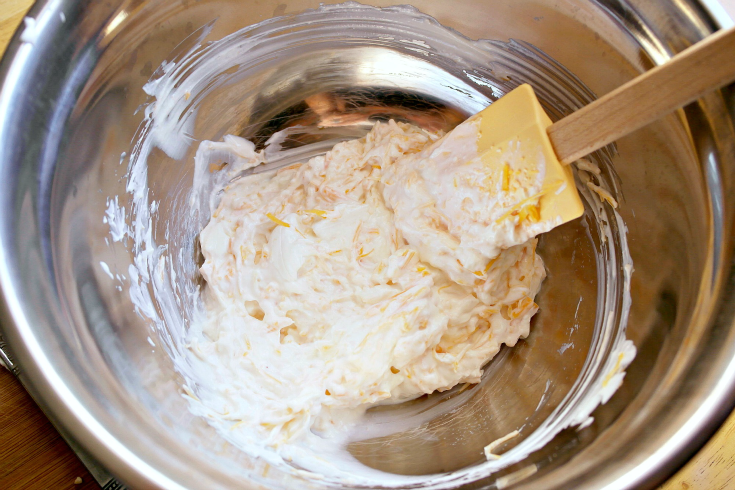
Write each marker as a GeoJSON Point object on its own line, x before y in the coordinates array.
{"type": "Point", "coordinates": [68, 114]}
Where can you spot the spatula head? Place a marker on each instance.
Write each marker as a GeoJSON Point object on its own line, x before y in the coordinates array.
{"type": "Point", "coordinates": [513, 139]}
{"type": "Point", "coordinates": [490, 184]}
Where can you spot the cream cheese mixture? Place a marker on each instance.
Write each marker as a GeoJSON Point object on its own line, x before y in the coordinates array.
{"type": "Point", "coordinates": [393, 266]}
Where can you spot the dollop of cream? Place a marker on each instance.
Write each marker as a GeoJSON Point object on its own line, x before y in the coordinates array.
{"type": "Point", "coordinates": [365, 276]}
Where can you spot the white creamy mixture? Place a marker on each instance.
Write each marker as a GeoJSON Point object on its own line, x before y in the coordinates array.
{"type": "Point", "coordinates": [393, 266]}
{"type": "Point", "coordinates": [406, 283]}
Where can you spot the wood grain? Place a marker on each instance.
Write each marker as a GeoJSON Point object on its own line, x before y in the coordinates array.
{"type": "Point", "coordinates": [11, 14]}
{"type": "Point", "coordinates": [33, 455]}
{"type": "Point", "coordinates": [713, 468]}
{"type": "Point", "coordinates": [701, 68]}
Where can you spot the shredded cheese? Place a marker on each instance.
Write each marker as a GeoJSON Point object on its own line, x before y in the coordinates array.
{"type": "Point", "coordinates": [497, 442]}
{"type": "Point", "coordinates": [277, 221]}
{"type": "Point", "coordinates": [604, 195]}
{"type": "Point", "coordinates": [506, 177]}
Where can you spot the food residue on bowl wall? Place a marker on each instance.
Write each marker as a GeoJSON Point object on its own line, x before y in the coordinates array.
{"type": "Point", "coordinates": [364, 276]}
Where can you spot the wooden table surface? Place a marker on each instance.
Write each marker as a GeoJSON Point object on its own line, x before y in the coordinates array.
{"type": "Point", "coordinates": [33, 455]}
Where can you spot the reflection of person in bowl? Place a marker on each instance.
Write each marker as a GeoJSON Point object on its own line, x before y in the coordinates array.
{"type": "Point", "coordinates": [353, 112]}
{"type": "Point", "coordinates": [344, 108]}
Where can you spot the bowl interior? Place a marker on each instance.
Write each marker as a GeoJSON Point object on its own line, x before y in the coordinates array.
{"type": "Point", "coordinates": [335, 72]}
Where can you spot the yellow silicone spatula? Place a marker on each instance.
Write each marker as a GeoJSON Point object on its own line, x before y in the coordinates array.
{"type": "Point", "coordinates": [518, 118]}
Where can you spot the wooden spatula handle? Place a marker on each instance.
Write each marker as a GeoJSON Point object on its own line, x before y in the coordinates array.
{"type": "Point", "coordinates": [705, 66]}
